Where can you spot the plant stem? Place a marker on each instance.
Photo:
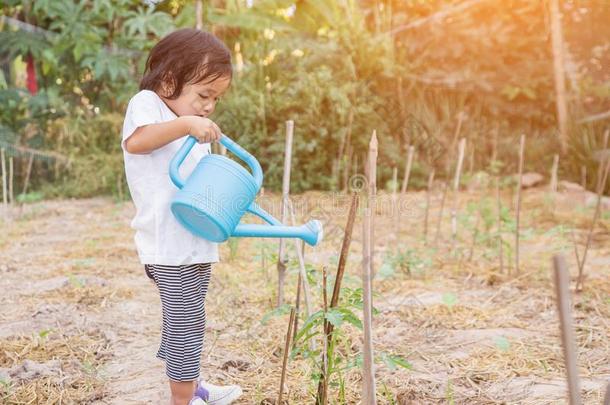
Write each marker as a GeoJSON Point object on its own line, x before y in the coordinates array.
{"type": "Point", "coordinates": [285, 360]}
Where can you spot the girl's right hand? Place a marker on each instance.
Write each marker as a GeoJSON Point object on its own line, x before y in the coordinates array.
{"type": "Point", "coordinates": [204, 129]}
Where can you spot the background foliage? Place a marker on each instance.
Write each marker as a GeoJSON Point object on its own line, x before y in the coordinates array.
{"type": "Point", "coordinates": [339, 68]}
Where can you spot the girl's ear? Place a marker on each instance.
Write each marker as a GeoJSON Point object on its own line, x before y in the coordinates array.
{"type": "Point", "coordinates": [168, 85]}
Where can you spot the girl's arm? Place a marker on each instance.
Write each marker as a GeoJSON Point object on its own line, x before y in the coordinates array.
{"type": "Point", "coordinates": [147, 138]}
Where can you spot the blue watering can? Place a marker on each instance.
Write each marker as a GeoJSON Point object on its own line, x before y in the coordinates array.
{"type": "Point", "coordinates": [219, 191]}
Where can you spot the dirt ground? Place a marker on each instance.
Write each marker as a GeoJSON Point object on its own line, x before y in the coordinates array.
{"type": "Point", "coordinates": [81, 322]}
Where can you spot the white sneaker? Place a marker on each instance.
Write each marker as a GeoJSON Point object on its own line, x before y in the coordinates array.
{"type": "Point", "coordinates": [218, 394]}
{"type": "Point", "coordinates": [197, 401]}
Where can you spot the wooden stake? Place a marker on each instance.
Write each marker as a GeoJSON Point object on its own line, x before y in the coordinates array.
{"type": "Point", "coordinates": [426, 215]}
{"type": "Point", "coordinates": [324, 393]}
{"type": "Point", "coordinates": [4, 185]}
{"type": "Point", "coordinates": [405, 180]}
{"type": "Point", "coordinates": [286, 350]}
{"type": "Point", "coordinates": [475, 232]}
{"type": "Point", "coordinates": [494, 145]}
{"type": "Point", "coordinates": [554, 179]}
{"type": "Point", "coordinates": [372, 198]}
{"type": "Point", "coordinates": [27, 175]}
{"type": "Point", "coordinates": [440, 213]}
{"type": "Point", "coordinates": [348, 168]}
{"type": "Point", "coordinates": [368, 372]}
{"type": "Point", "coordinates": [558, 65]}
{"type": "Point", "coordinates": [575, 243]}
{"type": "Point", "coordinates": [607, 397]}
{"type": "Point", "coordinates": [347, 240]}
{"type": "Point", "coordinates": [500, 242]}
{"type": "Point", "coordinates": [198, 14]}
{"type": "Point", "coordinates": [583, 176]}
{"type": "Point", "coordinates": [281, 262]}
{"type": "Point", "coordinates": [11, 196]}
{"type": "Point", "coordinates": [295, 328]}
{"type": "Point", "coordinates": [456, 189]}
{"type": "Point", "coordinates": [562, 291]}
{"type": "Point", "coordinates": [601, 185]}
{"type": "Point", "coordinates": [344, 164]}
{"type": "Point", "coordinates": [334, 301]}
{"type": "Point", "coordinates": [302, 270]}
{"type": "Point", "coordinates": [396, 220]}
{"type": "Point", "coordinates": [519, 183]}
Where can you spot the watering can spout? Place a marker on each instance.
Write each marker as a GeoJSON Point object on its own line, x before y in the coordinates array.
{"type": "Point", "coordinates": [311, 232]}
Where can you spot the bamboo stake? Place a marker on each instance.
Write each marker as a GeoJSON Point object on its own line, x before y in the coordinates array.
{"type": "Point", "coordinates": [372, 182]}
{"type": "Point", "coordinates": [348, 168]}
{"type": "Point", "coordinates": [475, 232]}
{"type": "Point", "coordinates": [575, 243]}
{"type": "Point", "coordinates": [334, 301]}
{"type": "Point", "coordinates": [322, 399]}
{"type": "Point", "coordinates": [347, 240]}
{"type": "Point", "coordinates": [281, 262]}
{"type": "Point", "coordinates": [405, 180]}
{"type": "Point", "coordinates": [601, 185]}
{"type": "Point", "coordinates": [27, 174]}
{"type": "Point", "coordinates": [345, 140]}
{"type": "Point", "coordinates": [583, 176]}
{"type": "Point", "coordinates": [426, 215]}
{"type": "Point", "coordinates": [440, 213]}
{"type": "Point", "coordinates": [394, 201]}
{"type": "Point", "coordinates": [559, 73]}
{"type": "Point", "coordinates": [520, 179]}
{"type": "Point", "coordinates": [285, 360]}
{"type": "Point", "coordinates": [297, 307]}
{"type": "Point", "coordinates": [11, 196]}
{"type": "Point", "coordinates": [562, 291]}
{"type": "Point", "coordinates": [368, 373]}
{"type": "Point", "coordinates": [4, 185]}
{"type": "Point", "coordinates": [500, 242]}
{"type": "Point", "coordinates": [198, 14]}
{"type": "Point", "coordinates": [494, 144]}
{"type": "Point", "coordinates": [302, 270]}
{"type": "Point", "coordinates": [554, 179]}
{"type": "Point", "coordinates": [456, 189]}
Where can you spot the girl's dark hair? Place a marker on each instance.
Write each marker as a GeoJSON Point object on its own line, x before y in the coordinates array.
{"type": "Point", "coordinates": [186, 56]}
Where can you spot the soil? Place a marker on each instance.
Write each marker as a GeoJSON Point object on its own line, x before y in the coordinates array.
{"type": "Point", "coordinates": [471, 333]}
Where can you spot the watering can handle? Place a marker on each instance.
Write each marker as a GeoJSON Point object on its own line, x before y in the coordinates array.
{"type": "Point", "coordinates": [174, 174]}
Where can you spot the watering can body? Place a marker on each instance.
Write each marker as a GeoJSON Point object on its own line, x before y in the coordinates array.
{"type": "Point", "coordinates": [212, 200]}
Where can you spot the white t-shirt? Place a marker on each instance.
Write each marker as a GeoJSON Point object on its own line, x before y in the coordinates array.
{"type": "Point", "coordinates": [159, 238]}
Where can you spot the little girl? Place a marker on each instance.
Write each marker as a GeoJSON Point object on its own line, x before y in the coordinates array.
{"type": "Point", "coordinates": [185, 75]}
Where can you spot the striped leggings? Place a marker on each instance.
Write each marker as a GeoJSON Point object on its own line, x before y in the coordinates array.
{"type": "Point", "coordinates": [182, 290]}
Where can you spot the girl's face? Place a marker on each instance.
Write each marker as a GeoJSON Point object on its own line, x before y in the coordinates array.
{"type": "Point", "coordinates": [199, 98]}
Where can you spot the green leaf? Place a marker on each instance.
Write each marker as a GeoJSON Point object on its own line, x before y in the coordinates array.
{"type": "Point", "coordinates": [335, 317]}
{"type": "Point", "coordinates": [449, 299]}
{"type": "Point", "coordinates": [281, 310]}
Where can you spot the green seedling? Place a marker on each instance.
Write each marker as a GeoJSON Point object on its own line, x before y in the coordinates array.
{"type": "Point", "coordinates": [501, 343]}
{"type": "Point", "coordinates": [279, 311]}
{"type": "Point", "coordinates": [75, 281]}
{"type": "Point", "coordinates": [450, 299]}
{"type": "Point", "coordinates": [233, 248]}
